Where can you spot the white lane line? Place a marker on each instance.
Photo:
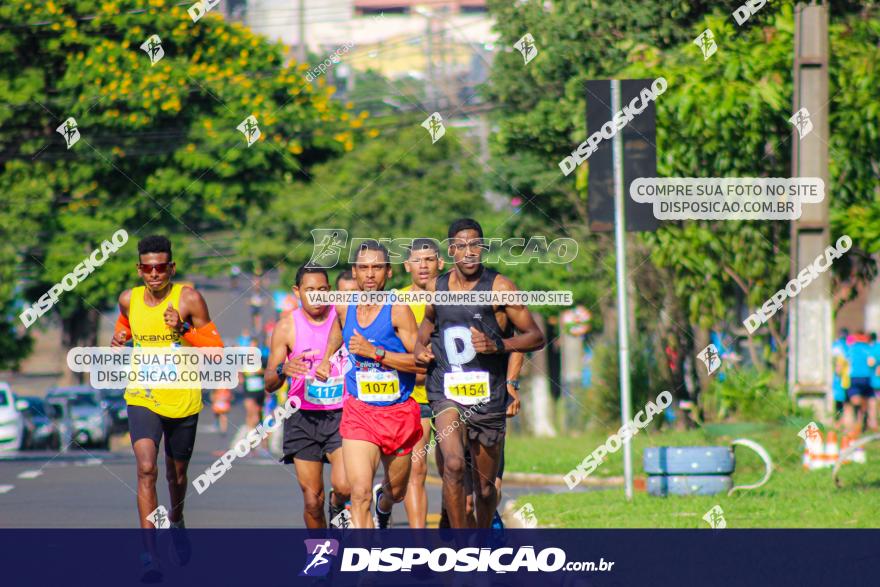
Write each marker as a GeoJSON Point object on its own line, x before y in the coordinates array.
{"type": "Point", "coordinates": [6, 488]}
{"type": "Point", "coordinates": [92, 462]}
{"type": "Point", "coordinates": [29, 474]}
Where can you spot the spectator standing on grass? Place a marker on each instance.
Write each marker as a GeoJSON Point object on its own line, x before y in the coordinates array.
{"type": "Point", "coordinates": [859, 395]}
{"type": "Point", "coordinates": [840, 367]}
{"type": "Point", "coordinates": [874, 364]}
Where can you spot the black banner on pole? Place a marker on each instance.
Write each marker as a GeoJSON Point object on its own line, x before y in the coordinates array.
{"type": "Point", "coordinates": [639, 155]}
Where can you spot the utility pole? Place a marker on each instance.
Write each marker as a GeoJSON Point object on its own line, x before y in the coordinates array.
{"type": "Point", "coordinates": [429, 57]}
{"type": "Point", "coordinates": [810, 316]}
{"type": "Point", "coordinates": [301, 48]}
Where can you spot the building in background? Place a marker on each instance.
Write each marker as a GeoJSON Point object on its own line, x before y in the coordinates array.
{"type": "Point", "coordinates": [447, 45]}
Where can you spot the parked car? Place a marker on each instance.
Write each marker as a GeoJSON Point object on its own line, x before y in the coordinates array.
{"type": "Point", "coordinates": [118, 409]}
{"type": "Point", "coordinates": [89, 411]}
{"type": "Point", "coordinates": [59, 410]}
{"type": "Point", "coordinates": [11, 420]}
{"type": "Point", "coordinates": [40, 430]}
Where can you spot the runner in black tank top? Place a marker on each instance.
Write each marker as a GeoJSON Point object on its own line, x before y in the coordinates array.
{"type": "Point", "coordinates": [466, 350]}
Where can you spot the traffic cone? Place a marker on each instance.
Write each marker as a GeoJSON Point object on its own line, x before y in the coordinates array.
{"type": "Point", "coordinates": [816, 447]}
{"type": "Point", "coordinates": [832, 452]}
{"type": "Point", "coordinates": [859, 456]}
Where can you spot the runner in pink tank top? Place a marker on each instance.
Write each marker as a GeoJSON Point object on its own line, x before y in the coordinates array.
{"type": "Point", "coordinates": [311, 434]}
{"type": "Point", "coordinates": [311, 341]}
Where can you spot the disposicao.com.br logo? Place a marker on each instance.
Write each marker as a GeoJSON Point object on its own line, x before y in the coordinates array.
{"type": "Point", "coordinates": [464, 560]}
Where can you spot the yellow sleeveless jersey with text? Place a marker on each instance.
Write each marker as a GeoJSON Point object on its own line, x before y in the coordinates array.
{"type": "Point", "coordinates": [148, 329]}
{"type": "Point", "coordinates": [419, 392]}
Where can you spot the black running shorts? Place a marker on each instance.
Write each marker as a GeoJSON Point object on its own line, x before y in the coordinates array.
{"type": "Point", "coordinates": [487, 429]}
{"type": "Point", "coordinates": [179, 433]}
{"type": "Point", "coordinates": [310, 435]}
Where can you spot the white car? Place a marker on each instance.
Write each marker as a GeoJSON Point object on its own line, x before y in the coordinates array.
{"type": "Point", "coordinates": [11, 420]}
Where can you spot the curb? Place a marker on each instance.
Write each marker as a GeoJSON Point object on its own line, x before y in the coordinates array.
{"type": "Point", "coordinates": [542, 479]}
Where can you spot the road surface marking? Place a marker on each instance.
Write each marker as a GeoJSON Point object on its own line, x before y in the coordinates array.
{"type": "Point", "coordinates": [30, 474]}
{"type": "Point", "coordinates": [6, 488]}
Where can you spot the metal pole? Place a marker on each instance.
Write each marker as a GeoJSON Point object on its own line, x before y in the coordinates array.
{"type": "Point", "coordinates": [301, 50]}
{"type": "Point", "coordinates": [810, 316]}
{"type": "Point", "coordinates": [622, 302]}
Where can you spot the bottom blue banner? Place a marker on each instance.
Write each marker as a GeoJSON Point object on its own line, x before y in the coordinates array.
{"type": "Point", "coordinates": [571, 558]}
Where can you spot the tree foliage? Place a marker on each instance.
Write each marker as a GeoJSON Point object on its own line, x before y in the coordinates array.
{"type": "Point", "coordinates": [159, 148]}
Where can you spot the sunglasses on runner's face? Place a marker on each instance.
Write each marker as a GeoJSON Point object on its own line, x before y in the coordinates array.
{"type": "Point", "coordinates": [159, 267]}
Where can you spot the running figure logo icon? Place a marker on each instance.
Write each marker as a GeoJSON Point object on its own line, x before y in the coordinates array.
{"type": "Point", "coordinates": [526, 516]}
{"type": "Point", "coordinates": [70, 131]}
{"type": "Point", "coordinates": [715, 518]}
{"type": "Point", "coordinates": [250, 129]}
{"type": "Point", "coordinates": [317, 551]}
{"type": "Point", "coordinates": [159, 518]}
{"type": "Point", "coordinates": [709, 356]}
{"type": "Point", "coordinates": [434, 125]}
{"type": "Point", "coordinates": [706, 43]}
{"type": "Point", "coordinates": [153, 48]}
{"type": "Point", "coordinates": [801, 121]}
{"type": "Point", "coordinates": [526, 46]}
{"type": "Point", "coordinates": [810, 432]}
{"type": "Point", "coordinates": [327, 245]}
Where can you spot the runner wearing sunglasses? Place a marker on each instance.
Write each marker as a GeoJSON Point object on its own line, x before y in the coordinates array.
{"type": "Point", "coordinates": [162, 314]}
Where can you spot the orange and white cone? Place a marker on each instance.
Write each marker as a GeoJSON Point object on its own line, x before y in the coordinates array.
{"type": "Point", "coordinates": [847, 440]}
{"type": "Point", "coordinates": [816, 447]}
{"type": "Point", "coordinates": [832, 451]}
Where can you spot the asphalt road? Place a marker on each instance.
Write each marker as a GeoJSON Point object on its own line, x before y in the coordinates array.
{"type": "Point", "coordinates": [84, 488]}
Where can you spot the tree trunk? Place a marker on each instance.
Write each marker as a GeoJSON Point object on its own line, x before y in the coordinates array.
{"type": "Point", "coordinates": [539, 391]}
{"type": "Point", "coordinates": [78, 329]}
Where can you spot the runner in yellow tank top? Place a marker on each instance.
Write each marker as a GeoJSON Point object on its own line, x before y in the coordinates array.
{"type": "Point", "coordinates": [162, 314]}
{"type": "Point", "coordinates": [423, 264]}
{"type": "Point", "coordinates": [149, 329]}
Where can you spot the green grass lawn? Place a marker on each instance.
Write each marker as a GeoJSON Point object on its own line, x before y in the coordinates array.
{"type": "Point", "coordinates": [793, 498]}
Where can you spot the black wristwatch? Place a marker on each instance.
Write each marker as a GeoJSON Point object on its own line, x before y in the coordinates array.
{"type": "Point", "coordinates": [280, 369]}
{"type": "Point", "coordinates": [514, 383]}
{"type": "Point", "coordinates": [185, 327]}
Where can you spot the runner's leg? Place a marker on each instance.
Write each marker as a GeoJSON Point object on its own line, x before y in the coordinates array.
{"type": "Point", "coordinates": [416, 501]}
{"type": "Point", "coordinates": [175, 473]}
{"type": "Point", "coordinates": [397, 472]}
{"type": "Point", "coordinates": [338, 478]}
{"type": "Point", "coordinates": [485, 461]}
{"type": "Point", "coordinates": [361, 458]}
{"type": "Point", "coordinates": [180, 438]}
{"type": "Point", "coordinates": [146, 454]}
{"type": "Point", "coordinates": [252, 412]}
{"type": "Point", "coordinates": [451, 444]}
{"type": "Point", "coordinates": [310, 475]}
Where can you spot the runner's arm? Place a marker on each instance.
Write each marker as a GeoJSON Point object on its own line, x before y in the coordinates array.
{"type": "Point", "coordinates": [529, 336]}
{"type": "Point", "coordinates": [203, 332]}
{"type": "Point", "coordinates": [514, 365]}
{"type": "Point", "coordinates": [334, 341]}
{"type": "Point", "coordinates": [405, 325]}
{"type": "Point", "coordinates": [422, 349]}
{"type": "Point", "coordinates": [282, 341]}
{"type": "Point", "coordinates": [122, 330]}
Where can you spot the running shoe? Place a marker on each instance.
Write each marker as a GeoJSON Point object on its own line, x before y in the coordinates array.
{"type": "Point", "coordinates": [150, 570]}
{"type": "Point", "coordinates": [339, 516]}
{"type": "Point", "coordinates": [381, 520]}
{"type": "Point", "coordinates": [181, 550]}
{"type": "Point", "coordinates": [497, 523]}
